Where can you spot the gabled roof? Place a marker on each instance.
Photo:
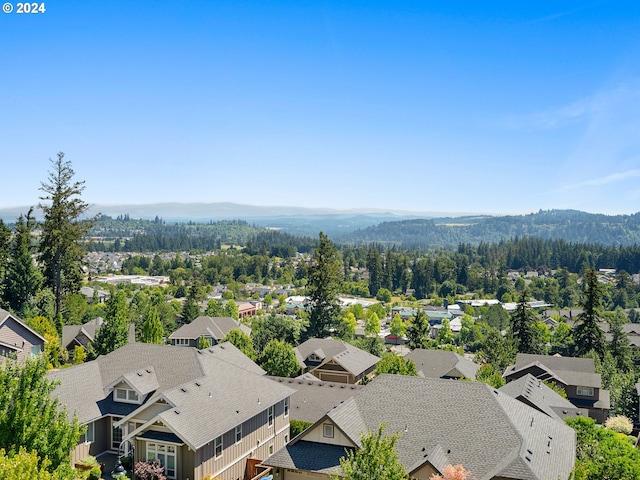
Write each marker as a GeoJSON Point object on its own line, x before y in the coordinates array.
{"type": "Point", "coordinates": [84, 388]}
{"type": "Point", "coordinates": [533, 392]}
{"type": "Point", "coordinates": [443, 421]}
{"type": "Point", "coordinates": [143, 380]}
{"type": "Point", "coordinates": [442, 363]}
{"type": "Point", "coordinates": [6, 316]}
{"type": "Point", "coordinates": [351, 358]}
{"type": "Point", "coordinates": [214, 327]}
{"type": "Point", "coordinates": [567, 370]}
{"type": "Point", "coordinates": [70, 333]}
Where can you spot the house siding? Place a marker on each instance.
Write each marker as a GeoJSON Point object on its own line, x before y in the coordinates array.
{"type": "Point", "coordinates": [13, 333]}
{"type": "Point", "coordinates": [257, 436]}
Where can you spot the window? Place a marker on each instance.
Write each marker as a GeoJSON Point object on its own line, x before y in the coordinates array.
{"type": "Point", "coordinates": [327, 430]}
{"type": "Point", "coordinates": [270, 449]}
{"type": "Point", "coordinates": [166, 454]}
{"type": "Point", "coordinates": [286, 407]}
{"type": "Point", "coordinates": [286, 439]}
{"type": "Point", "coordinates": [585, 391]}
{"type": "Point", "coordinates": [238, 433]}
{"type": "Point", "coordinates": [89, 437]}
{"type": "Point", "coordinates": [127, 395]}
{"type": "Point", "coordinates": [218, 446]}
{"type": "Point", "coordinates": [181, 341]}
{"type": "Point", "coordinates": [270, 415]}
{"type": "Point", "coordinates": [35, 350]}
{"type": "Point", "coordinates": [116, 433]}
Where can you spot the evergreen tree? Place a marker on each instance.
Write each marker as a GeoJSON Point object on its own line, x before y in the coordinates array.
{"type": "Point", "coordinates": [152, 331]}
{"type": "Point", "coordinates": [114, 332]}
{"type": "Point", "coordinates": [522, 325]}
{"type": "Point", "coordinates": [418, 331]}
{"type": "Point", "coordinates": [619, 344]}
{"type": "Point", "coordinates": [322, 289]}
{"type": "Point", "coordinates": [587, 333]}
{"type": "Point", "coordinates": [231, 309]}
{"type": "Point", "coordinates": [5, 248]}
{"type": "Point", "coordinates": [23, 277]}
{"type": "Point", "coordinates": [61, 250]}
{"type": "Point", "coordinates": [190, 307]}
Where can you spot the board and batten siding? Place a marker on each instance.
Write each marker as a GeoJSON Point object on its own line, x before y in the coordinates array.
{"type": "Point", "coordinates": [257, 437]}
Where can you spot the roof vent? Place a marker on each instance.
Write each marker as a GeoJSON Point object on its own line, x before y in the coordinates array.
{"type": "Point", "coordinates": [331, 385]}
{"type": "Point", "coordinates": [139, 374]}
{"type": "Point", "coordinates": [448, 451]}
{"type": "Point", "coordinates": [210, 395]}
{"type": "Point", "coordinates": [528, 458]}
{"type": "Point", "coordinates": [148, 370]}
{"type": "Point", "coordinates": [198, 384]}
{"type": "Point", "coordinates": [531, 425]}
{"type": "Point", "coordinates": [177, 411]}
{"type": "Point", "coordinates": [530, 452]}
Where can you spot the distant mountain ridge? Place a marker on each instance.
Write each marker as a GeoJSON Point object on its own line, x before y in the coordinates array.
{"type": "Point", "coordinates": [569, 225]}
{"type": "Point", "coordinates": [174, 211]}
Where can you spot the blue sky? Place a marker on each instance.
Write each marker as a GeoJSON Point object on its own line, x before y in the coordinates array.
{"type": "Point", "coordinates": [492, 107]}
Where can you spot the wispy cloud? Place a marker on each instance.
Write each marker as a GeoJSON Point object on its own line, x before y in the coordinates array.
{"type": "Point", "coordinates": [580, 111]}
{"type": "Point", "coordinates": [551, 17]}
{"type": "Point", "coordinates": [606, 180]}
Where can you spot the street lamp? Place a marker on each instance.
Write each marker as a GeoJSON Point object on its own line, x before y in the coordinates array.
{"type": "Point", "coordinates": [119, 471]}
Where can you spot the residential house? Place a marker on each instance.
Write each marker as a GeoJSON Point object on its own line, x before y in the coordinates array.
{"type": "Point", "coordinates": [576, 375]}
{"type": "Point", "coordinates": [440, 422]}
{"type": "Point", "coordinates": [199, 412]}
{"type": "Point", "coordinates": [334, 360]}
{"type": "Point", "coordinates": [533, 392]}
{"type": "Point", "coordinates": [213, 329]}
{"type": "Point", "coordinates": [442, 364]}
{"type": "Point", "coordinates": [248, 309]}
{"type": "Point", "coordinates": [313, 397]}
{"type": "Point", "coordinates": [17, 339]}
{"type": "Point", "coordinates": [85, 334]}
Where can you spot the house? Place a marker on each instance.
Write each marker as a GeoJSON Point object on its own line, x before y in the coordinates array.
{"type": "Point", "coordinates": [84, 335]}
{"type": "Point", "coordinates": [17, 339]}
{"type": "Point", "coordinates": [334, 360]}
{"type": "Point", "coordinates": [440, 422]}
{"type": "Point", "coordinates": [213, 329]}
{"type": "Point", "coordinates": [248, 309]}
{"type": "Point", "coordinates": [199, 412]}
{"type": "Point", "coordinates": [94, 294]}
{"type": "Point", "coordinates": [313, 397]}
{"type": "Point", "coordinates": [533, 392]}
{"type": "Point", "coordinates": [442, 364]}
{"type": "Point", "coordinates": [576, 375]}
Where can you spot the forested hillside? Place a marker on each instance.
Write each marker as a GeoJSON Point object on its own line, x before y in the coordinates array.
{"type": "Point", "coordinates": [569, 225]}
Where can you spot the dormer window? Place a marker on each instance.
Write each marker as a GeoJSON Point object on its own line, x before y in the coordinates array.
{"type": "Point", "coordinates": [314, 358]}
{"type": "Point", "coordinates": [126, 395]}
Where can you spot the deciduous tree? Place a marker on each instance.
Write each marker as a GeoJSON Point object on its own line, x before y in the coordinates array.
{"type": "Point", "coordinates": [31, 417]}
{"type": "Point", "coordinates": [152, 330]}
{"type": "Point", "coordinates": [279, 359]}
{"type": "Point", "coordinates": [241, 341]}
{"type": "Point", "coordinates": [376, 460]}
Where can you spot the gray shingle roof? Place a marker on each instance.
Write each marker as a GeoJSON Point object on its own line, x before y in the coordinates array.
{"type": "Point", "coordinates": [440, 363]}
{"type": "Point", "coordinates": [568, 370]}
{"type": "Point", "coordinates": [310, 456]}
{"type": "Point", "coordinates": [533, 392]}
{"type": "Point", "coordinates": [314, 398]}
{"type": "Point", "coordinates": [215, 327]}
{"type": "Point", "coordinates": [351, 358]}
{"type": "Point", "coordinates": [467, 423]}
{"type": "Point", "coordinates": [82, 387]}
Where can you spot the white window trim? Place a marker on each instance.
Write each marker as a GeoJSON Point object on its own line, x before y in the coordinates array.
{"type": "Point", "coordinates": [238, 433]}
{"type": "Point", "coordinates": [217, 441]}
{"type": "Point", "coordinates": [270, 416]}
{"type": "Point", "coordinates": [166, 453]}
{"type": "Point", "coordinates": [585, 391]}
{"type": "Point", "coordinates": [128, 393]}
{"type": "Point", "coordinates": [324, 430]}
{"type": "Point", "coordinates": [286, 407]}
{"type": "Point", "coordinates": [89, 435]}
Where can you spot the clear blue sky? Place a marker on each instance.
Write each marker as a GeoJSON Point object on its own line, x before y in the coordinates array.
{"type": "Point", "coordinates": [495, 107]}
